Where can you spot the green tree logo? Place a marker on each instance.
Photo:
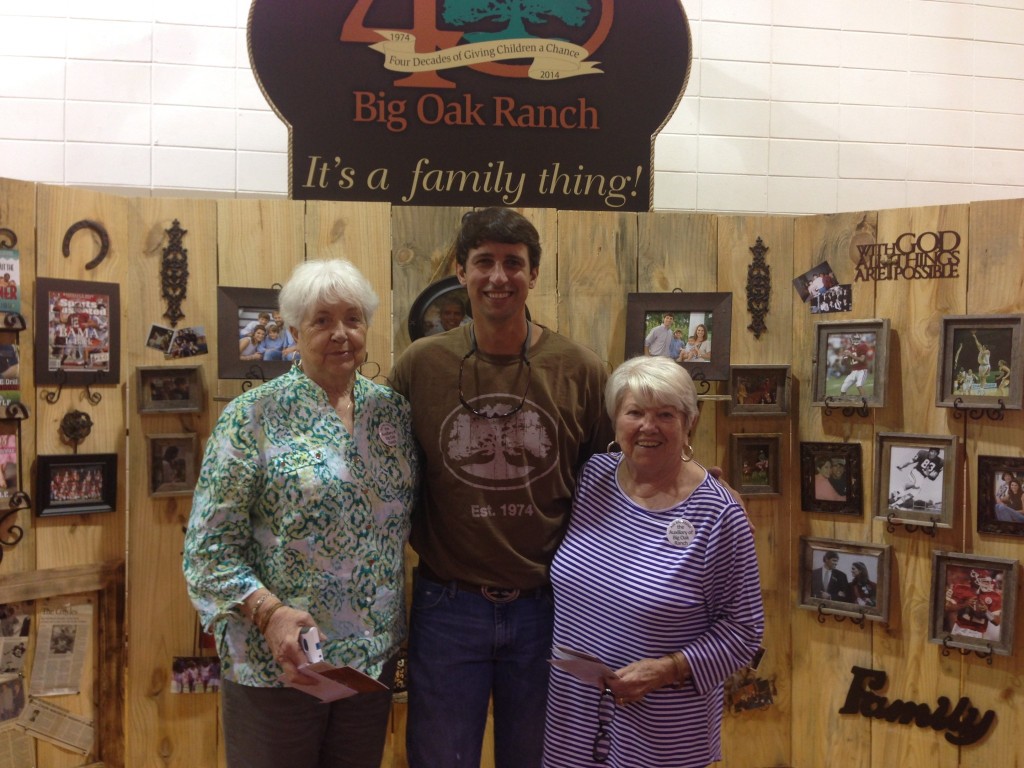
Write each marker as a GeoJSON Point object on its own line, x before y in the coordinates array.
{"type": "Point", "coordinates": [514, 13]}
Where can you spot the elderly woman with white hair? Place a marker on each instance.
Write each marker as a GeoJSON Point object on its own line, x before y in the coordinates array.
{"type": "Point", "coordinates": [300, 519]}
{"type": "Point", "coordinates": [658, 578]}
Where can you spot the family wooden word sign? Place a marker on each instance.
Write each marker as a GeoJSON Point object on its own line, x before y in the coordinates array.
{"type": "Point", "coordinates": [961, 724]}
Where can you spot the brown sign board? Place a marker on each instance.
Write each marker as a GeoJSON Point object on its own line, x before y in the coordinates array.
{"type": "Point", "coordinates": [530, 103]}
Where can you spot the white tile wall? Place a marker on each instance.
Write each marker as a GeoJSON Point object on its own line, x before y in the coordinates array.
{"type": "Point", "coordinates": [793, 106]}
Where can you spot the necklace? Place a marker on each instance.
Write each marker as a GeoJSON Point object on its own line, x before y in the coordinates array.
{"type": "Point", "coordinates": [523, 361]}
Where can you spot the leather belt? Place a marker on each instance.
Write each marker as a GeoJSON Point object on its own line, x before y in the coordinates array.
{"type": "Point", "coordinates": [497, 595]}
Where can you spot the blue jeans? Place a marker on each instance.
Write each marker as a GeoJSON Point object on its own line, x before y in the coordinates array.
{"type": "Point", "coordinates": [462, 650]}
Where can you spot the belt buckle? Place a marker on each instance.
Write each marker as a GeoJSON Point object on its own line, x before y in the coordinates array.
{"type": "Point", "coordinates": [499, 595]}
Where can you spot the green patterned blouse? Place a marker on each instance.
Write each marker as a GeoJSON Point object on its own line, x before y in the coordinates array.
{"type": "Point", "coordinates": [287, 499]}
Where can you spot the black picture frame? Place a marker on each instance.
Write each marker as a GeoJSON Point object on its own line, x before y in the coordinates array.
{"type": "Point", "coordinates": [73, 484]}
{"type": "Point", "coordinates": [867, 596]}
{"type": "Point", "coordinates": [992, 471]}
{"type": "Point", "coordinates": [78, 333]}
{"type": "Point", "coordinates": [961, 353]}
{"type": "Point", "coordinates": [641, 306]}
{"type": "Point", "coordinates": [814, 496]}
{"type": "Point", "coordinates": [832, 371]}
{"type": "Point", "coordinates": [967, 613]}
{"type": "Point", "coordinates": [234, 308]}
{"type": "Point", "coordinates": [169, 389]}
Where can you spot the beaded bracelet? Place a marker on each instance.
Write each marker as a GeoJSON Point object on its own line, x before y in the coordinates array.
{"type": "Point", "coordinates": [259, 604]}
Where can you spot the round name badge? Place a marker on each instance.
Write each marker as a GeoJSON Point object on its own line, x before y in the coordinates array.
{"type": "Point", "coordinates": [388, 434]}
{"type": "Point", "coordinates": [680, 532]}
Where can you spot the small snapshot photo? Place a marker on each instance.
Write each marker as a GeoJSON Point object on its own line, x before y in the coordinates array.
{"type": "Point", "coordinates": [160, 338]}
{"type": "Point", "coordinates": [980, 363]}
{"type": "Point", "coordinates": [1000, 495]}
{"type": "Point", "coordinates": [850, 363]}
{"type": "Point", "coordinates": [972, 602]}
{"type": "Point", "coordinates": [815, 282]}
{"type": "Point", "coordinates": [845, 577]}
{"type": "Point", "coordinates": [170, 390]}
{"type": "Point", "coordinates": [8, 464]}
{"type": "Point", "coordinates": [173, 462]}
{"type": "Point", "coordinates": [830, 478]}
{"type": "Point", "coordinates": [915, 480]}
{"type": "Point", "coordinates": [188, 342]}
{"type": "Point", "coordinates": [195, 674]}
{"type": "Point", "coordinates": [754, 463]}
{"type": "Point", "coordinates": [759, 389]}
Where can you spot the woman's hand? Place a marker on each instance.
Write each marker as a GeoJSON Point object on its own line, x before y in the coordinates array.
{"type": "Point", "coordinates": [636, 680]}
{"type": "Point", "coordinates": [282, 635]}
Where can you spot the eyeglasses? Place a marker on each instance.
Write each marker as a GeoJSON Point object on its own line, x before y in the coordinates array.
{"type": "Point", "coordinates": [522, 359]}
{"type": "Point", "coordinates": [605, 715]}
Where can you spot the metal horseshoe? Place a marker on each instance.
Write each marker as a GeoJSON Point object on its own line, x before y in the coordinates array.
{"type": "Point", "coordinates": [95, 227]}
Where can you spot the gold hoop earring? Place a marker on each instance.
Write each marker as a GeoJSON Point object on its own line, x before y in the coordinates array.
{"type": "Point", "coordinates": [616, 449]}
{"type": "Point", "coordinates": [688, 453]}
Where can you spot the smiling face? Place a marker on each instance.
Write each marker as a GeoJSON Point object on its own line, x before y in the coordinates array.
{"type": "Point", "coordinates": [332, 344]}
{"type": "Point", "coordinates": [498, 279]}
{"type": "Point", "coordinates": [700, 333]}
{"type": "Point", "coordinates": [651, 437]}
{"type": "Point", "coordinates": [452, 315]}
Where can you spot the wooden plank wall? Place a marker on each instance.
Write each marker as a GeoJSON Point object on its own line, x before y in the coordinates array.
{"type": "Point", "coordinates": [591, 262]}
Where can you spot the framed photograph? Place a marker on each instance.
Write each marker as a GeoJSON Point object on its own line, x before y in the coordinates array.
{"type": "Point", "coordinates": [164, 389]}
{"type": "Point", "coordinates": [754, 463]}
{"type": "Point", "coordinates": [830, 478]}
{"type": "Point", "coordinates": [980, 362]}
{"type": "Point", "coordinates": [252, 342]}
{"type": "Point", "coordinates": [972, 602]}
{"type": "Point", "coordinates": [442, 306]}
{"type": "Point", "coordinates": [758, 389]}
{"type": "Point", "coordinates": [850, 363]}
{"type": "Point", "coordinates": [173, 464]}
{"type": "Point", "coordinates": [9, 461]}
{"type": "Point", "coordinates": [915, 478]}
{"type": "Point", "coordinates": [1000, 500]}
{"type": "Point", "coordinates": [78, 331]}
{"type": "Point", "coordinates": [847, 577]}
{"type": "Point", "coordinates": [691, 328]}
{"type": "Point", "coordinates": [73, 484]}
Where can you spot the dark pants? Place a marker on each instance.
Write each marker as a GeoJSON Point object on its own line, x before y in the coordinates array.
{"type": "Point", "coordinates": [275, 727]}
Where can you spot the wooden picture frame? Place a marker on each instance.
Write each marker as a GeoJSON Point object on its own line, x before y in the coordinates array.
{"type": "Point", "coordinates": [826, 489]}
{"type": "Point", "coordinates": [436, 308]}
{"type": "Point", "coordinates": [915, 478]}
{"type": "Point", "coordinates": [236, 309]}
{"type": "Point", "coordinates": [997, 505]}
{"type": "Point", "coordinates": [973, 602]}
{"type": "Point", "coordinates": [77, 333]}
{"type": "Point", "coordinates": [706, 360]}
{"type": "Point", "coordinates": [841, 348]}
{"type": "Point", "coordinates": [762, 390]}
{"type": "Point", "coordinates": [980, 364]}
{"type": "Point", "coordinates": [754, 463]}
{"type": "Point", "coordinates": [173, 463]}
{"type": "Point", "coordinates": [78, 483]}
{"type": "Point", "coordinates": [167, 389]}
{"type": "Point", "coordinates": [859, 580]}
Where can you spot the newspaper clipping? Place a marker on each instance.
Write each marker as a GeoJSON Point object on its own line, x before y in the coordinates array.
{"type": "Point", "coordinates": [15, 623]}
{"type": "Point", "coordinates": [16, 748]}
{"type": "Point", "coordinates": [62, 641]}
{"type": "Point", "coordinates": [56, 725]}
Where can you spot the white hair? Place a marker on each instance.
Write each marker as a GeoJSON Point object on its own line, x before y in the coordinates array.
{"type": "Point", "coordinates": [325, 281]}
{"type": "Point", "coordinates": [653, 381]}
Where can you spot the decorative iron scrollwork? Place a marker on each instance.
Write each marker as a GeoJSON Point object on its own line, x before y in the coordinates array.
{"type": "Point", "coordinates": [75, 427]}
{"type": "Point", "coordinates": [759, 288]}
{"type": "Point", "coordinates": [174, 273]}
{"type": "Point", "coordinates": [96, 227]}
{"type": "Point", "coordinates": [10, 536]}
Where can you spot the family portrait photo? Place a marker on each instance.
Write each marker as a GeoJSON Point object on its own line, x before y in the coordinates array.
{"type": "Point", "coordinates": [1001, 495]}
{"type": "Point", "coordinates": [830, 478]}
